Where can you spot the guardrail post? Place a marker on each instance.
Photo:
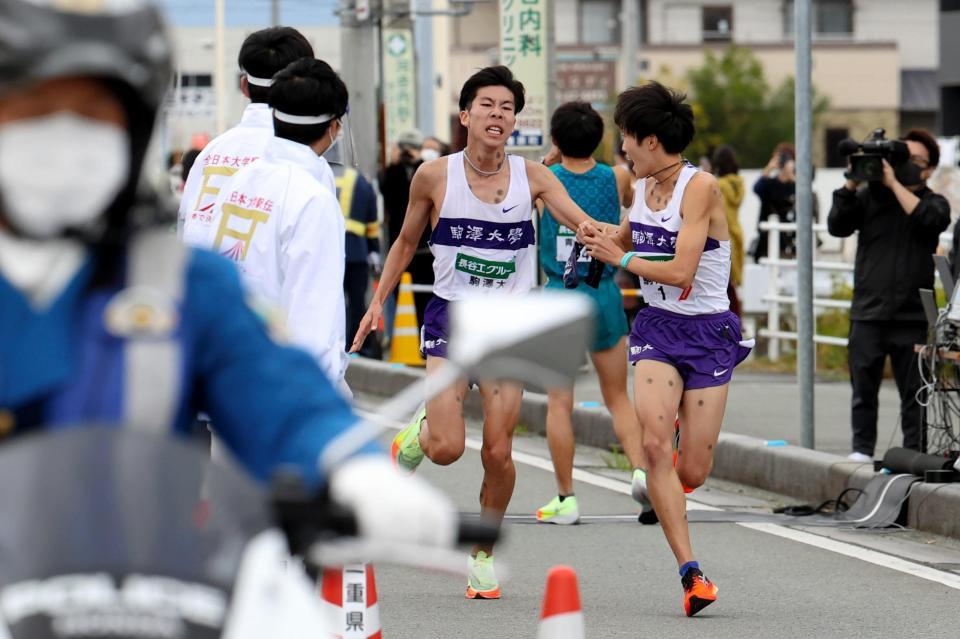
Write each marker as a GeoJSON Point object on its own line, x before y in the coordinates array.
{"type": "Point", "coordinates": [773, 286]}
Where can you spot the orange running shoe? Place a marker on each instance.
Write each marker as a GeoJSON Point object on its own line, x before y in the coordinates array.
{"type": "Point", "coordinates": [698, 592]}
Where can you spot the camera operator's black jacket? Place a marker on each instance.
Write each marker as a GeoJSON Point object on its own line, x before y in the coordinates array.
{"type": "Point", "coordinates": [893, 251]}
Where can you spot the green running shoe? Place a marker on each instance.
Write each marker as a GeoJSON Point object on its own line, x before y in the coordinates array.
{"type": "Point", "coordinates": [559, 512]}
{"type": "Point", "coordinates": [482, 582]}
{"type": "Point", "coordinates": [405, 449]}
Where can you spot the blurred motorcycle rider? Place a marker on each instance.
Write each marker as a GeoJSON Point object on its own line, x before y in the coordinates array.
{"type": "Point", "coordinates": [104, 318]}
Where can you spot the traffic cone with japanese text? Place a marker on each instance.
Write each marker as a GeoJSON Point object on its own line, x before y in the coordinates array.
{"type": "Point", "coordinates": [405, 344]}
{"type": "Point", "coordinates": [562, 616]}
{"type": "Point", "coordinates": [350, 602]}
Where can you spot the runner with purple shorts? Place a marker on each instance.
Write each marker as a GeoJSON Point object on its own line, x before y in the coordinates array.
{"type": "Point", "coordinates": [479, 204]}
{"type": "Point", "coordinates": [686, 344]}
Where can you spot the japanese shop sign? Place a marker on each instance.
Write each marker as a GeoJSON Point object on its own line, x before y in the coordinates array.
{"type": "Point", "coordinates": [400, 88]}
{"type": "Point", "coordinates": [524, 48]}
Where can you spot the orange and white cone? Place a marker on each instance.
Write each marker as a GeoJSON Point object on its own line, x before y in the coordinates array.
{"type": "Point", "coordinates": [562, 616]}
{"type": "Point", "coordinates": [350, 602]}
{"type": "Point", "coordinates": [405, 343]}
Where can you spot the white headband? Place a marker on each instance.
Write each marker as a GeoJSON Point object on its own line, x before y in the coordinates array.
{"type": "Point", "coordinates": [303, 119]}
{"type": "Point", "coordinates": [259, 82]}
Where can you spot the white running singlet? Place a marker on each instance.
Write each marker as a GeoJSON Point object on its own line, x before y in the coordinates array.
{"type": "Point", "coordinates": [481, 248]}
{"type": "Point", "coordinates": [654, 237]}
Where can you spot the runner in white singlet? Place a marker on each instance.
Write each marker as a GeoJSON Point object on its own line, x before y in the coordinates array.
{"type": "Point", "coordinates": [686, 343]}
{"type": "Point", "coordinates": [479, 204]}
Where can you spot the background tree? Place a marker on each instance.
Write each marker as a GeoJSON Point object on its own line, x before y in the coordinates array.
{"type": "Point", "coordinates": [733, 104]}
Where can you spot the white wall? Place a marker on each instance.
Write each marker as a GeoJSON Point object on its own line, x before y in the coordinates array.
{"type": "Point", "coordinates": [913, 25]}
{"type": "Point", "coordinates": [566, 21]}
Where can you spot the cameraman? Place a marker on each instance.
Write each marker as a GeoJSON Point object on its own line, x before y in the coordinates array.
{"type": "Point", "coordinates": [899, 220]}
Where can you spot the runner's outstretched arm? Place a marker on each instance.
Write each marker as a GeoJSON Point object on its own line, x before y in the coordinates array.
{"type": "Point", "coordinates": [403, 249]}
{"type": "Point", "coordinates": [547, 187]}
{"type": "Point", "coordinates": [700, 200]}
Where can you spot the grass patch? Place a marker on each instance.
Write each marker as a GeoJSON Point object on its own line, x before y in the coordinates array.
{"type": "Point", "coordinates": [616, 460]}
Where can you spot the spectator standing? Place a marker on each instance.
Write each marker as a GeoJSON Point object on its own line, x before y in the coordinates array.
{"type": "Point", "coordinates": [727, 171]}
{"type": "Point", "coordinates": [776, 189]}
{"type": "Point", "coordinates": [395, 187]}
{"type": "Point", "coordinates": [358, 201]}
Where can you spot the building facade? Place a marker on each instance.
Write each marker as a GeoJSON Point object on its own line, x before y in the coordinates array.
{"type": "Point", "coordinates": [876, 61]}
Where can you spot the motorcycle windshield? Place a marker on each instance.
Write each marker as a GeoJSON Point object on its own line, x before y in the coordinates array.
{"type": "Point", "coordinates": [107, 532]}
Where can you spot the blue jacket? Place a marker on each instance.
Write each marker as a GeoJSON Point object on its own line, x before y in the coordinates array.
{"type": "Point", "coordinates": [61, 366]}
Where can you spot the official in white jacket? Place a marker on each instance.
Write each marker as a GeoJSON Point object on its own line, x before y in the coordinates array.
{"type": "Point", "coordinates": [262, 54]}
{"type": "Point", "coordinates": [282, 225]}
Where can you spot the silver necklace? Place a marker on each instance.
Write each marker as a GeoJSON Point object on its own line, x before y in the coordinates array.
{"type": "Point", "coordinates": [481, 172]}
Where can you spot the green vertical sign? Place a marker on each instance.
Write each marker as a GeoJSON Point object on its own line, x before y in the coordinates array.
{"type": "Point", "coordinates": [399, 82]}
{"type": "Point", "coordinates": [524, 48]}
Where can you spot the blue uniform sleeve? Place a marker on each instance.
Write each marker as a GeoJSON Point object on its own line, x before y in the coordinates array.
{"type": "Point", "coordinates": [270, 404]}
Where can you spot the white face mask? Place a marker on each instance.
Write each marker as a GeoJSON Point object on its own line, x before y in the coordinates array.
{"type": "Point", "coordinates": [60, 171]}
{"type": "Point", "coordinates": [429, 154]}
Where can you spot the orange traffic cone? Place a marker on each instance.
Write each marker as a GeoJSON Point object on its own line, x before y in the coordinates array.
{"type": "Point", "coordinates": [562, 616]}
{"type": "Point", "coordinates": [405, 344]}
{"type": "Point", "coordinates": [350, 602]}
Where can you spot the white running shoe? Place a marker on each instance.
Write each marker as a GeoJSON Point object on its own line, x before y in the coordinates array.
{"type": "Point", "coordinates": [638, 490]}
{"type": "Point", "coordinates": [860, 458]}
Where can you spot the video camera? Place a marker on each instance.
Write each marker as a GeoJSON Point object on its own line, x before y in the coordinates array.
{"type": "Point", "coordinates": [866, 158]}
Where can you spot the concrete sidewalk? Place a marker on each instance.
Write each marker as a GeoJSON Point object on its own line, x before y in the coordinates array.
{"type": "Point", "coordinates": [761, 408]}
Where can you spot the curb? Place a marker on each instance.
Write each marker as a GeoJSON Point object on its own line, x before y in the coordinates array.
{"type": "Point", "coordinates": [789, 470]}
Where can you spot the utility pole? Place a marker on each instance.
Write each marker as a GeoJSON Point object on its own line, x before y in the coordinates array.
{"type": "Point", "coordinates": [423, 46]}
{"type": "Point", "coordinates": [806, 353]}
{"type": "Point", "coordinates": [359, 49]}
{"type": "Point", "coordinates": [220, 75]}
{"type": "Point", "coordinates": [629, 42]}
{"type": "Point", "coordinates": [275, 12]}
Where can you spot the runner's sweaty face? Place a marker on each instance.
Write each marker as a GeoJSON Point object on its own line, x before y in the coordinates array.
{"type": "Point", "coordinates": [641, 154]}
{"type": "Point", "coordinates": [491, 116]}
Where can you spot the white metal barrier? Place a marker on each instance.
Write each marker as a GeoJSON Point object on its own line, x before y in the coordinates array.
{"type": "Point", "coordinates": [776, 299]}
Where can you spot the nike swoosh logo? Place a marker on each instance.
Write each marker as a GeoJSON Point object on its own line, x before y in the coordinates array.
{"type": "Point", "coordinates": [666, 219]}
{"type": "Point", "coordinates": [719, 373]}
{"type": "Point", "coordinates": [511, 208]}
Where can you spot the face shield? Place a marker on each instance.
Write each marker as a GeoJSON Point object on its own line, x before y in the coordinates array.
{"type": "Point", "coordinates": [343, 151]}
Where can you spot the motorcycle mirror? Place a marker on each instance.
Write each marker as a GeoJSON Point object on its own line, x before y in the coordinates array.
{"type": "Point", "coordinates": [537, 338]}
{"type": "Point", "coordinates": [541, 343]}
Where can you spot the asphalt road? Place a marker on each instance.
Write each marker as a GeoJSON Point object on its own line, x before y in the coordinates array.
{"type": "Point", "coordinates": [770, 586]}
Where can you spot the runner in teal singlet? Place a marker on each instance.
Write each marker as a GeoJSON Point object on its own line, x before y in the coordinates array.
{"type": "Point", "coordinates": [577, 130]}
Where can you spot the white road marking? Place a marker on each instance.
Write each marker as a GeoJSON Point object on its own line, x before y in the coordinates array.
{"type": "Point", "coordinates": [824, 543]}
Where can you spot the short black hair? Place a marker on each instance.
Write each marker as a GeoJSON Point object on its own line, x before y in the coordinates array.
{"type": "Point", "coordinates": [186, 164]}
{"type": "Point", "coordinates": [725, 161]}
{"type": "Point", "coordinates": [653, 109]}
{"type": "Point", "coordinates": [307, 87]}
{"type": "Point", "coordinates": [576, 129]}
{"type": "Point", "coordinates": [492, 77]}
{"type": "Point", "coordinates": [923, 137]}
{"type": "Point", "coordinates": [268, 51]}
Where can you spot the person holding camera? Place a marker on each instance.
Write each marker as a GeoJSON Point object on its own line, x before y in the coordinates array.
{"type": "Point", "coordinates": [776, 188]}
{"type": "Point", "coordinates": [899, 220]}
